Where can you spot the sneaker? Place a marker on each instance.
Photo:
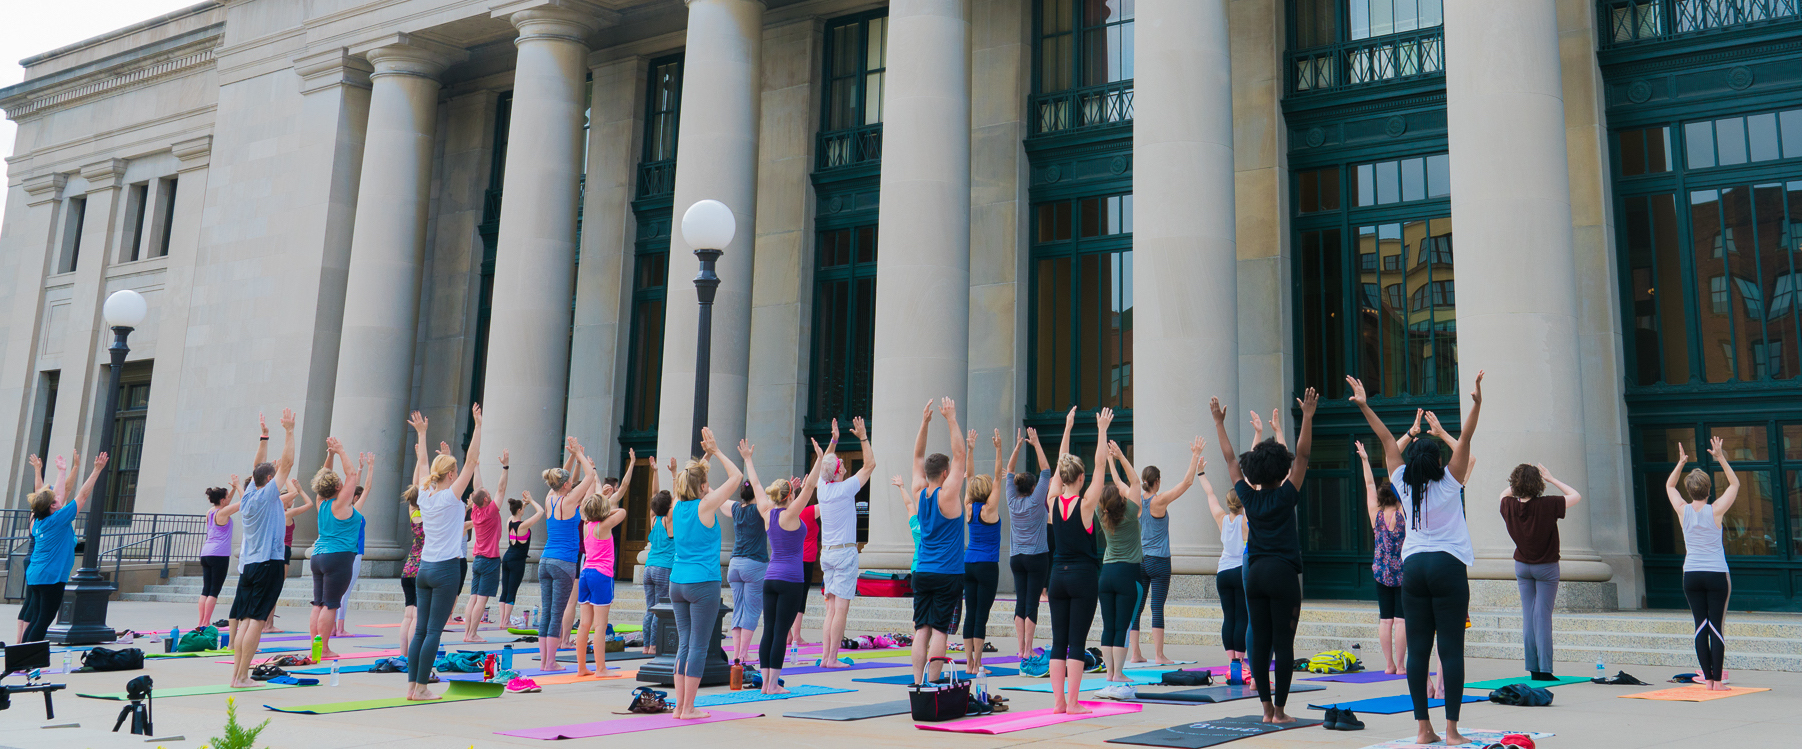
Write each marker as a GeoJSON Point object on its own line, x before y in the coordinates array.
{"type": "Point", "coordinates": [1126, 692]}
{"type": "Point", "coordinates": [1332, 719]}
{"type": "Point", "coordinates": [1347, 721]}
{"type": "Point", "coordinates": [523, 685]}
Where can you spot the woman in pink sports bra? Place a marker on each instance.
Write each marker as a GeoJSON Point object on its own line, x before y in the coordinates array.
{"type": "Point", "coordinates": [595, 584]}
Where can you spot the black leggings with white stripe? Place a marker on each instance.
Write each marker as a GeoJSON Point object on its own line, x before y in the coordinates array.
{"type": "Point", "coordinates": [1707, 593]}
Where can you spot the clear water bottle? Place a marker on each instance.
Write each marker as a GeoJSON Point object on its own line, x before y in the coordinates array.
{"type": "Point", "coordinates": [1601, 670]}
{"type": "Point", "coordinates": [794, 653]}
{"type": "Point", "coordinates": [982, 687]}
{"type": "Point", "coordinates": [334, 673]}
{"type": "Point", "coordinates": [68, 660]}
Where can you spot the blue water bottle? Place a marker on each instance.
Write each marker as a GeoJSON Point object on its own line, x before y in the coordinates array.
{"type": "Point", "coordinates": [1237, 677]}
{"type": "Point", "coordinates": [507, 658]}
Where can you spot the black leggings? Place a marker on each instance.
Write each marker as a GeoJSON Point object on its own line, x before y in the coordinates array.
{"type": "Point", "coordinates": [1072, 593]}
{"type": "Point", "coordinates": [782, 600]}
{"type": "Point", "coordinates": [212, 575]}
{"type": "Point", "coordinates": [1435, 602]}
{"type": "Point", "coordinates": [1120, 596]}
{"type": "Point", "coordinates": [980, 581]}
{"type": "Point", "coordinates": [42, 602]}
{"type": "Point", "coordinates": [1031, 573]}
{"type": "Point", "coordinates": [1154, 574]}
{"type": "Point", "coordinates": [1273, 594]}
{"type": "Point", "coordinates": [1231, 584]}
{"type": "Point", "coordinates": [513, 572]}
{"type": "Point", "coordinates": [1707, 593]}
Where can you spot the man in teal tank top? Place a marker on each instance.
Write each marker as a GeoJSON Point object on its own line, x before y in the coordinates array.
{"type": "Point", "coordinates": [938, 580]}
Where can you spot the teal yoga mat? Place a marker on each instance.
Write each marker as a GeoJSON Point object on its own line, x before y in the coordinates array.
{"type": "Point", "coordinates": [748, 695]}
{"type": "Point", "coordinates": [908, 678]}
{"type": "Point", "coordinates": [1527, 680]}
{"type": "Point", "coordinates": [1139, 678]}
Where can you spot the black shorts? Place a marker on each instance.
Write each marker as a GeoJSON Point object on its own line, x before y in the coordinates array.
{"type": "Point", "coordinates": [212, 575]}
{"type": "Point", "coordinates": [411, 593]}
{"type": "Point", "coordinates": [1389, 601]}
{"type": "Point", "coordinates": [936, 597]}
{"type": "Point", "coordinates": [287, 554]}
{"type": "Point", "coordinates": [259, 587]}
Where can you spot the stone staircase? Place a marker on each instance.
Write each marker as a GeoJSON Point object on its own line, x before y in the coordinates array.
{"type": "Point", "coordinates": [1756, 641]}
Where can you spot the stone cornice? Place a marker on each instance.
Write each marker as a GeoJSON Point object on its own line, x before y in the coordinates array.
{"type": "Point", "coordinates": [110, 75]}
{"type": "Point", "coordinates": [194, 153]}
{"type": "Point", "coordinates": [332, 67]}
{"type": "Point", "coordinates": [407, 53]}
{"type": "Point", "coordinates": [104, 174]}
{"type": "Point", "coordinates": [44, 188]}
{"type": "Point", "coordinates": [578, 18]}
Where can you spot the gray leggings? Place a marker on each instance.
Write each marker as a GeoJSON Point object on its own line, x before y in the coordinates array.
{"type": "Point", "coordinates": [1538, 585]}
{"type": "Point", "coordinates": [436, 589]}
{"type": "Point", "coordinates": [556, 580]}
{"type": "Point", "coordinates": [656, 588]}
{"type": "Point", "coordinates": [697, 608]}
{"type": "Point", "coordinates": [745, 575]}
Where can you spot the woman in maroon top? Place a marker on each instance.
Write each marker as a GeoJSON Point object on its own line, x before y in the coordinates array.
{"type": "Point", "coordinates": [1532, 519]}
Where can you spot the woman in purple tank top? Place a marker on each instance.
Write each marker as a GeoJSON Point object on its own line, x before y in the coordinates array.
{"type": "Point", "coordinates": [216, 550]}
{"type": "Point", "coordinates": [785, 580]}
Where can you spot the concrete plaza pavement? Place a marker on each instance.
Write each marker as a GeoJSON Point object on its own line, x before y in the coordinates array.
{"type": "Point", "coordinates": [1584, 715]}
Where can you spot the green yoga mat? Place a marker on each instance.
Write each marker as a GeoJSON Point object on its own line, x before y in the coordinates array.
{"type": "Point", "coordinates": [190, 654]}
{"type": "Point", "coordinates": [457, 692]}
{"type": "Point", "coordinates": [1527, 680]}
{"type": "Point", "coordinates": [617, 629]}
{"type": "Point", "coordinates": [162, 692]}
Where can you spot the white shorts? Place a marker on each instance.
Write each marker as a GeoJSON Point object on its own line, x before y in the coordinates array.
{"type": "Point", "coordinates": [838, 572]}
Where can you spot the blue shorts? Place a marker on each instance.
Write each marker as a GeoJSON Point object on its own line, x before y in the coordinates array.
{"type": "Point", "coordinates": [595, 588]}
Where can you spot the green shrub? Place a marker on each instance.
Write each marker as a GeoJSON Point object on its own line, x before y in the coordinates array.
{"type": "Point", "coordinates": [236, 736]}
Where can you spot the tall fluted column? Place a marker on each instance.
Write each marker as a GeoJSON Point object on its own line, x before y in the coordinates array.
{"type": "Point", "coordinates": [1511, 206]}
{"type": "Point", "coordinates": [1185, 258]}
{"type": "Point", "coordinates": [716, 158]}
{"type": "Point", "coordinates": [923, 292]}
{"type": "Point", "coordinates": [525, 383]}
{"type": "Point", "coordinates": [387, 249]}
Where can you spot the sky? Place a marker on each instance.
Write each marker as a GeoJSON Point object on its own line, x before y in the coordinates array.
{"type": "Point", "coordinates": [33, 28]}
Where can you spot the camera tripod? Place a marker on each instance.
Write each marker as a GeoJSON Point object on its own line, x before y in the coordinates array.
{"type": "Point", "coordinates": [139, 713]}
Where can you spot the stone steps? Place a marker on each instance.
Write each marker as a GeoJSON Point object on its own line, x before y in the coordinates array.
{"type": "Point", "coordinates": [1757, 641]}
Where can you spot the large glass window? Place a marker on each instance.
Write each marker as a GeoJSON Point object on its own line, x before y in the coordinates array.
{"type": "Point", "coordinates": [663, 115]}
{"type": "Point", "coordinates": [1338, 43]}
{"type": "Point", "coordinates": [1082, 282]}
{"type": "Point", "coordinates": [844, 327]}
{"type": "Point", "coordinates": [650, 285]}
{"type": "Point", "coordinates": [1084, 67]}
{"type": "Point", "coordinates": [856, 63]}
{"type": "Point", "coordinates": [1770, 475]}
{"type": "Point", "coordinates": [128, 438]}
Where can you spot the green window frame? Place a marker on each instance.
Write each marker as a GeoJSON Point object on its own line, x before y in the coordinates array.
{"type": "Point", "coordinates": [1081, 349]}
{"type": "Point", "coordinates": [662, 120]}
{"type": "Point", "coordinates": [844, 325]}
{"type": "Point", "coordinates": [128, 438]}
{"type": "Point", "coordinates": [1338, 44]}
{"type": "Point", "coordinates": [653, 209]}
{"type": "Point", "coordinates": [1082, 64]}
{"type": "Point", "coordinates": [856, 67]}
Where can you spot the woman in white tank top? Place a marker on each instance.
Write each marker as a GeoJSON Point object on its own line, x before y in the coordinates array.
{"type": "Point", "coordinates": [1705, 581]}
{"type": "Point", "coordinates": [1229, 576]}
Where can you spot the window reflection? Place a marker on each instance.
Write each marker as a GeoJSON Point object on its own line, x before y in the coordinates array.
{"type": "Point", "coordinates": [1408, 331]}
{"type": "Point", "coordinates": [1082, 309]}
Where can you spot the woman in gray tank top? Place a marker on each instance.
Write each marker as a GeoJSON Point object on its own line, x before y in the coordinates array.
{"type": "Point", "coordinates": [1154, 537]}
{"type": "Point", "coordinates": [1705, 580]}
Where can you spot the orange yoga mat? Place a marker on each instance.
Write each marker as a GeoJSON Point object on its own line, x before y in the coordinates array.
{"type": "Point", "coordinates": [1695, 693]}
{"type": "Point", "coordinates": [572, 678]}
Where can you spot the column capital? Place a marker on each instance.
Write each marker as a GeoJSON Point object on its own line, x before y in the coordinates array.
{"type": "Point", "coordinates": [44, 187]}
{"type": "Point", "coordinates": [194, 153]}
{"type": "Point", "coordinates": [409, 54]}
{"type": "Point", "coordinates": [103, 175]}
{"type": "Point", "coordinates": [332, 67]}
{"type": "Point", "coordinates": [572, 20]}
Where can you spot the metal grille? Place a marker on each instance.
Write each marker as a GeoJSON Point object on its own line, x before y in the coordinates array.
{"type": "Point", "coordinates": [1366, 62]}
{"type": "Point", "coordinates": [1078, 109]}
{"type": "Point", "coordinates": [657, 179]}
{"type": "Point", "coordinates": [850, 147]}
{"type": "Point", "coordinates": [1627, 22]}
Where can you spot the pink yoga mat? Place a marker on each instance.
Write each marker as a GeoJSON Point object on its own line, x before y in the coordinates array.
{"type": "Point", "coordinates": [622, 725]}
{"type": "Point", "coordinates": [1010, 722]}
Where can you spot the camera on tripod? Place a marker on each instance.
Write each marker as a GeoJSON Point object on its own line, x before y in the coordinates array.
{"type": "Point", "coordinates": [138, 692]}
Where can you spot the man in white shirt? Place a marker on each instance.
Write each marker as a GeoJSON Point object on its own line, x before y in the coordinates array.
{"type": "Point", "coordinates": [838, 538]}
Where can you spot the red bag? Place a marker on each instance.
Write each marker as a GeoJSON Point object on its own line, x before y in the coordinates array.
{"type": "Point", "coordinates": [891, 588]}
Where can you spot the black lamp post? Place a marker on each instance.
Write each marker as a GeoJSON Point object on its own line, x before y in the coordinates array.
{"type": "Point", "coordinates": [83, 620]}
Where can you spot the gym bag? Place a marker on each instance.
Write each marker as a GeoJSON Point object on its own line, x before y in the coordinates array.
{"type": "Point", "coordinates": [1188, 679]}
{"type": "Point", "coordinates": [1333, 662]}
{"type": "Point", "coordinates": [460, 662]}
{"type": "Point", "coordinates": [195, 640]}
{"type": "Point", "coordinates": [933, 703]}
{"type": "Point", "coordinates": [1521, 695]}
{"type": "Point", "coordinates": [106, 659]}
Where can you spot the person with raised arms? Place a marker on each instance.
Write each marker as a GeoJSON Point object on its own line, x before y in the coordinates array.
{"type": "Point", "coordinates": [837, 508]}
{"type": "Point", "coordinates": [216, 549]}
{"type": "Point", "coordinates": [53, 547]}
{"type": "Point", "coordinates": [262, 562]}
{"type": "Point", "coordinates": [1532, 518]}
{"type": "Point", "coordinates": [600, 514]}
{"type": "Point", "coordinates": [1706, 584]}
{"type": "Point", "coordinates": [938, 486]}
{"type": "Point", "coordinates": [441, 512]}
{"type": "Point", "coordinates": [1122, 563]}
{"type": "Point", "coordinates": [519, 545]}
{"type": "Point", "coordinates": [694, 590]}
{"type": "Point", "coordinates": [982, 559]}
{"type": "Point", "coordinates": [334, 551]}
{"type": "Point", "coordinates": [485, 552]}
{"type": "Point", "coordinates": [559, 560]}
{"type": "Point", "coordinates": [1075, 565]}
{"type": "Point", "coordinates": [1028, 511]}
{"type": "Point", "coordinates": [1154, 530]}
{"type": "Point", "coordinates": [785, 582]}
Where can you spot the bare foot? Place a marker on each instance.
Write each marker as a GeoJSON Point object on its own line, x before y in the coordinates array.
{"type": "Point", "coordinates": [327, 655]}
{"type": "Point", "coordinates": [1428, 737]}
{"type": "Point", "coordinates": [1453, 738]}
{"type": "Point", "coordinates": [1389, 669]}
{"type": "Point", "coordinates": [1280, 718]}
{"type": "Point", "coordinates": [833, 664]}
{"type": "Point", "coordinates": [551, 669]}
{"type": "Point", "coordinates": [1059, 708]}
{"type": "Point", "coordinates": [581, 672]}
{"type": "Point", "coordinates": [775, 689]}
{"type": "Point", "coordinates": [1715, 686]}
{"type": "Point", "coordinates": [1162, 661]}
{"type": "Point", "coordinates": [476, 638]}
{"type": "Point", "coordinates": [424, 695]}
{"type": "Point", "coordinates": [244, 684]}
{"type": "Point", "coordinates": [693, 715]}
{"type": "Point", "coordinates": [1076, 708]}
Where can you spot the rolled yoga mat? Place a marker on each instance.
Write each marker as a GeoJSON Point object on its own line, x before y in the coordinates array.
{"type": "Point", "coordinates": [1391, 705]}
{"type": "Point", "coordinates": [1214, 694]}
{"type": "Point", "coordinates": [1527, 680]}
{"type": "Point", "coordinates": [751, 695]}
{"type": "Point", "coordinates": [458, 691]}
{"type": "Point", "coordinates": [1010, 721]}
{"type": "Point", "coordinates": [908, 678]}
{"type": "Point", "coordinates": [621, 725]}
{"type": "Point", "coordinates": [192, 654]}
{"type": "Point", "coordinates": [856, 712]}
{"type": "Point", "coordinates": [1211, 732]}
{"type": "Point", "coordinates": [161, 692]}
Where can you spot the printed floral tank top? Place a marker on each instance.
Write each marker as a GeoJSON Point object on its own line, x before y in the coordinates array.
{"type": "Point", "coordinates": [411, 568]}
{"type": "Point", "coordinates": [1387, 564]}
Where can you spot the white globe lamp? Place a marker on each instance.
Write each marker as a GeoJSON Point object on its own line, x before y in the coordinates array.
{"type": "Point", "coordinates": [708, 225]}
{"type": "Point", "coordinates": [124, 309]}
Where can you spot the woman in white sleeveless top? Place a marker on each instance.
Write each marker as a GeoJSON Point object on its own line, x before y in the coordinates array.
{"type": "Point", "coordinates": [1705, 580]}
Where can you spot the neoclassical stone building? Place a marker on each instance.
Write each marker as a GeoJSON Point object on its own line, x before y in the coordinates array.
{"type": "Point", "coordinates": [361, 208]}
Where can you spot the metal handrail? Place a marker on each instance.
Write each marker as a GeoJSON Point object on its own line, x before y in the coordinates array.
{"type": "Point", "coordinates": [1368, 62]}
{"type": "Point", "coordinates": [1078, 109]}
{"type": "Point", "coordinates": [167, 537]}
{"type": "Point", "coordinates": [1627, 22]}
{"type": "Point", "coordinates": [848, 147]}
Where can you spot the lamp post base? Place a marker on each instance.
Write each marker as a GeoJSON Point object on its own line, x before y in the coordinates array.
{"type": "Point", "coordinates": [82, 620]}
{"type": "Point", "coordinates": [661, 670]}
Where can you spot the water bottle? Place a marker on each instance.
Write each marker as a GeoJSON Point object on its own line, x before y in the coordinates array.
{"type": "Point", "coordinates": [507, 658]}
{"type": "Point", "coordinates": [334, 673]}
{"type": "Point", "coordinates": [1601, 670]}
{"type": "Point", "coordinates": [794, 653]}
{"type": "Point", "coordinates": [737, 679]}
{"type": "Point", "coordinates": [318, 648]}
{"type": "Point", "coordinates": [1237, 675]}
{"type": "Point", "coordinates": [982, 688]}
{"type": "Point", "coordinates": [225, 639]}
{"type": "Point", "coordinates": [68, 660]}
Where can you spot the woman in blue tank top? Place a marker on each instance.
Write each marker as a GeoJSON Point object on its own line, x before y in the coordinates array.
{"type": "Point", "coordinates": [335, 551]}
{"type": "Point", "coordinates": [982, 559]}
{"type": "Point", "coordinates": [694, 590]}
{"type": "Point", "coordinates": [559, 562]}
{"type": "Point", "coordinates": [1154, 537]}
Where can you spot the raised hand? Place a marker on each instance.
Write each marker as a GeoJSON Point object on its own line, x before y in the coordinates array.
{"type": "Point", "coordinates": [100, 460]}
{"type": "Point", "coordinates": [417, 421]}
{"type": "Point", "coordinates": [1544, 473]}
{"type": "Point", "coordinates": [62, 463]}
{"type": "Point", "coordinates": [926, 415]}
{"type": "Point", "coordinates": [475, 412]}
{"type": "Point", "coordinates": [672, 461]}
{"type": "Point", "coordinates": [1113, 449]}
{"type": "Point", "coordinates": [1433, 423]}
{"type": "Point", "coordinates": [505, 456]}
{"type": "Point", "coordinates": [998, 439]}
{"type": "Point", "coordinates": [333, 445]}
{"type": "Point", "coordinates": [1418, 413]}
{"type": "Point", "coordinates": [708, 445]}
{"type": "Point", "coordinates": [262, 423]}
{"type": "Point", "coordinates": [895, 481]}
{"type": "Point", "coordinates": [1682, 458]}
{"type": "Point", "coordinates": [1361, 453]}
{"type": "Point", "coordinates": [1217, 410]}
{"type": "Point", "coordinates": [1104, 417]}
{"type": "Point", "coordinates": [970, 442]}
{"type": "Point", "coordinates": [835, 431]}
{"type": "Point", "coordinates": [631, 456]}
{"type": "Point", "coordinates": [1032, 435]}
{"type": "Point", "coordinates": [858, 429]}
{"type": "Point", "coordinates": [1716, 448]}
{"type": "Point", "coordinates": [1357, 388]}
{"type": "Point", "coordinates": [1196, 446]}
{"type": "Point", "coordinates": [1257, 424]}
{"type": "Point", "coordinates": [1070, 419]}
{"type": "Point", "coordinates": [443, 447]}
{"type": "Point", "coordinates": [526, 495]}
{"type": "Point", "coordinates": [1476, 393]}
{"type": "Point", "coordinates": [745, 449]}
{"type": "Point", "coordinates": [35, 463]}
{"type": "Point", "coordinates": [288, 419]}
{"type": "Point", "coordinates": [1309, 399]}
{"type": "Point", "coordinates": [235, 483]}
{"type": "Point", "coordinates": [947, 408]}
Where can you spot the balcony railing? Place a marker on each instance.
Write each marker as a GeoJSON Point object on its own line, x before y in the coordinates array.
{"type": "Point", "coordinates": [1366, 62]}
{"type": "Point", "coordinates": [1626, 22]}
{"type": "Point", "coordinates": [842, 148]}
{"type": "Point", "coordinates": [1078, 109]}
{"type": "Point", "coordinates": [656, 179]}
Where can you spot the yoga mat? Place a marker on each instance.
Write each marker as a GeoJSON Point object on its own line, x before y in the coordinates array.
{"type": "Point", "coordinates": [750, 695]}
{"type": "Point", "coordinates": [193, 654]}
{"type": "Point", "coordinates": [1148, 665]}
{"type": "Point", "coordinates": [1391, 705]}
{"type": "Point", "coordinates": [1695, 693]}
{"type": "Point", "coordinates": [530, 673]}
{"type": "Point", "coordinates": [1210, 733]}
{"type": "Point", "coordinates": [458, 691]}
{"type": "Point", "coordinates": [394, 626]}
{"type": "Point", "coordinates": [161, 692]}
{"type": "Point", "coordinates": [617, 629]}
{"type": "Point", "coordinates": [988, 660]}
{"type": "Point", "coordinates": [1139, 678]}
{"type": "Point", "coordinates": [1214, 694]}
{"type": "Point", "coordinates": [856, 712]}
{"type": "Point", "coordinates": [357, 656]}
{"type": "Point", "coordinates": [361, 668]}
{"type": "Point", "coordinates": [285, 638]}
{"type": "Point", "coordinates": [622, 725]}
{"type": "Point", "coordinates": [570, 677]}
{"type": "Point", "coordinates": [908, 678]}
{"type": "Point", "coordinates": [859, 666]}
{"type": "Point", "coordinates": [1364, 677]}
{"type": "Point", "coordinates": [863, 655]}
{"type": "Point", "coordinates": [1478, 738]}
{"type": "Point", "coordinates": [1527, 680]}
{"type": "Point", "coordinates": [570, 657]}
{"type": "Point", "coordinates": [1010, 721]}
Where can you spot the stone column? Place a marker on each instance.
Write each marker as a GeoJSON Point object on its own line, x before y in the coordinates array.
{"type": "Point", "coordinates": [1511, 201]}
{"type": "Point", "coordinates": [81, 393]}
{"type": "Point", "coordinates": [716, 158]}
{"type": "Point", "coordinates": [525, 384]}
{"type": "Point", "coordinates": [387, 245]}
{"type": "Point", "coordinates": [35, 210]}
{"type": "Point", "coordinates": [923, 291]}
{"type": "Point", "coordinates": [1185, 257]}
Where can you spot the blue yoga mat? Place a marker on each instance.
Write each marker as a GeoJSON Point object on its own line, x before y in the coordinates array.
{"type": "Point", "coordinates": [1400, 703]}
{"type": "Point", "coordinates": [1139, 678]}
{"type": "Point", "coordinates": [859, 666]}
{"type": "Point", "coordinates": [748, 695]}
{"type": "Point", "coordinates": [908, 678]}
{"type": "Point", "coordinates": [345, 669]}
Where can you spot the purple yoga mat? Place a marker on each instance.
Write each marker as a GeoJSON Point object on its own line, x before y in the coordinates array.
{"type": "Point", "coordinates": [860, 666]}
{"type": "Point", "coordinates": [1361, 677]}
{"type": "Point", "coordinates": [622, 725]}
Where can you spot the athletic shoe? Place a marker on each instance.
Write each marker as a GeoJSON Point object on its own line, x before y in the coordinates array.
{"type": "Point", "coordinates": [1344, 720]}
{"type": "Point", "coordinates": [1126, 692]}
{"type": "Point", "coordinates": [523, 685]}
{"type": "Point", "coordinates": [1332, 719]}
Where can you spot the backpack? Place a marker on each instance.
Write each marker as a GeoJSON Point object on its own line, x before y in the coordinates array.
{"type": "Point", "coordinates": [460, 662]}
{"type": "Point", "coordinates": [106, 659]}
{"type": "Point", "coordinates": [1333, 662]}
{"type": "Point", "coordinates": [195, 640]}
{"type": "Point", "coordinates": [649, 701]}
{"type": "Point", "coordinates": [1521, 695]}
{"type": "Point", "coordinates": [1188, 679]}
